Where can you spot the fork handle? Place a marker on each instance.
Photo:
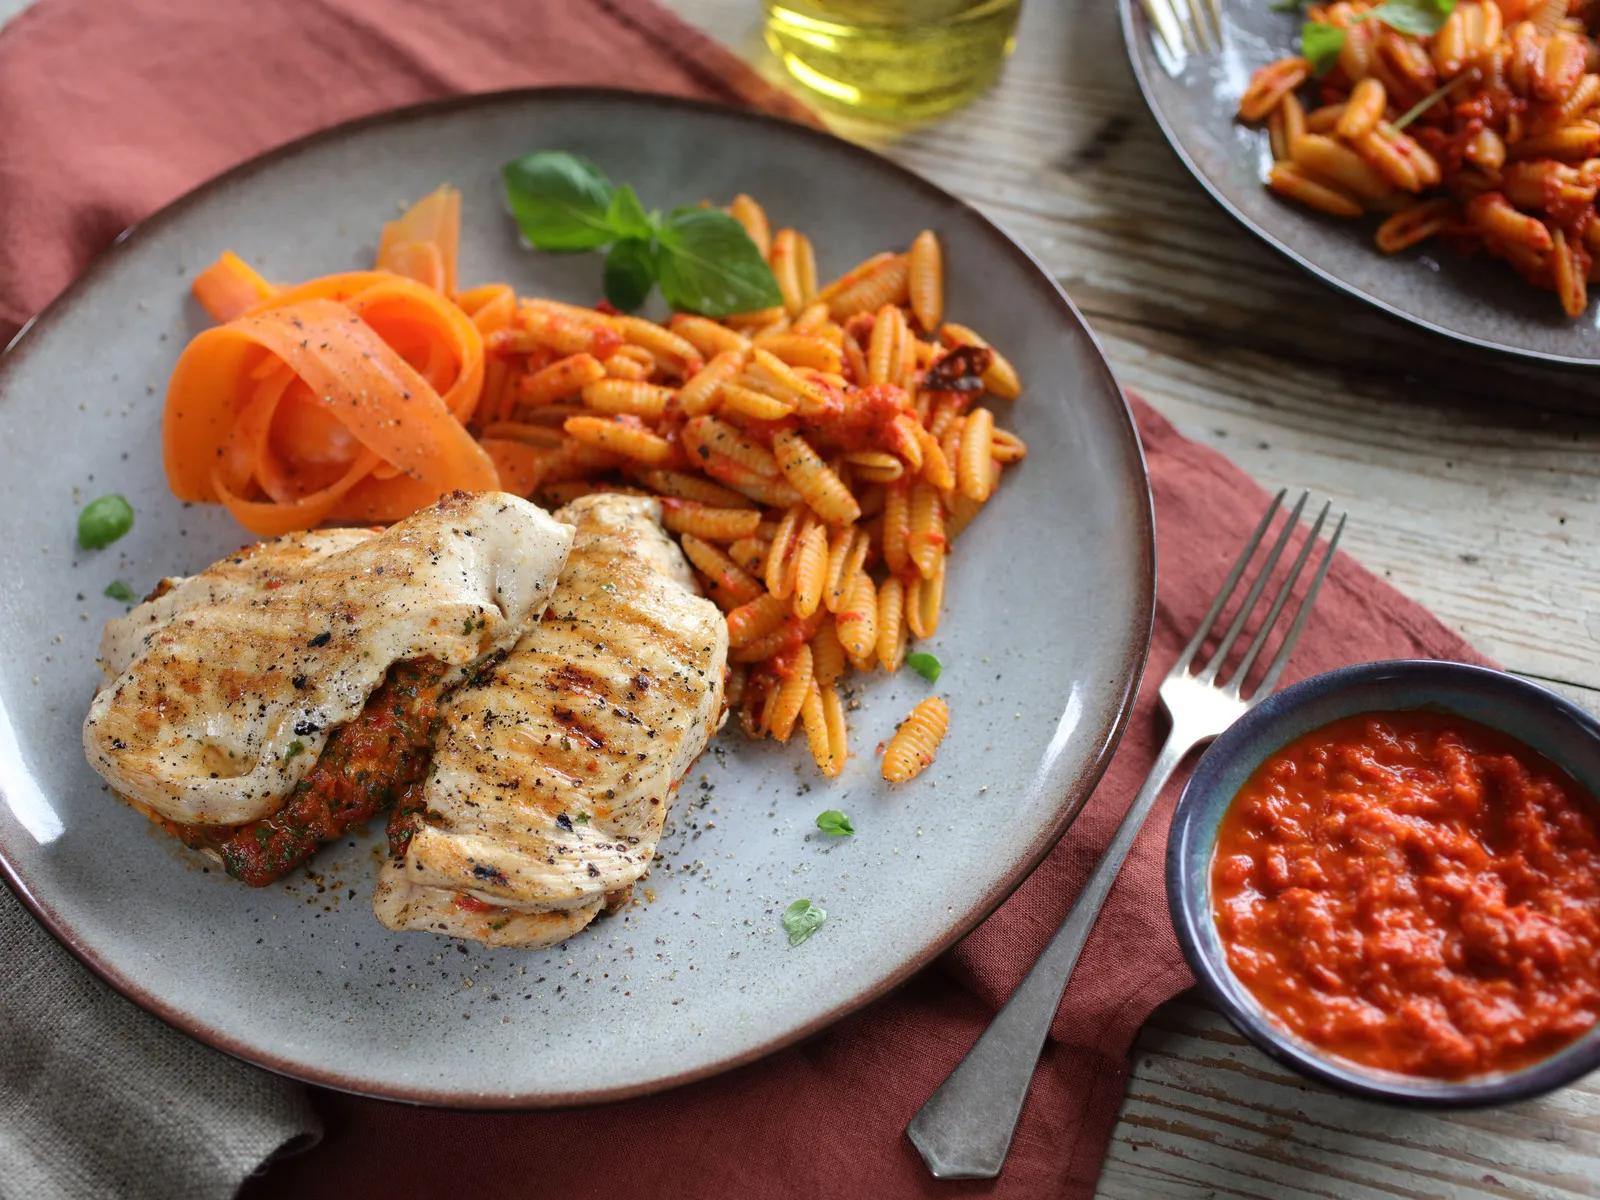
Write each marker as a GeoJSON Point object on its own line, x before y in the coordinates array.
{"type": "Point", "coordinates": [965, 1128]}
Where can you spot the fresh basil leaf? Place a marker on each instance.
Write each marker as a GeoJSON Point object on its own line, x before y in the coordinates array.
{"type": "Point", "coordinates": [702, 258]}
{"type": "Point", "coordinates": [103, 521]}
{"type": "Point", "coordinates": [118, 590]}
{"type": "Point", "coordinates": [801, 919]}
{"type": "Point", "coordinates": [707, 264]}
{"type": "Point", "coordinates": [630, 273]}
{"type": "Point", "coordinates": [926, 665]}
{"type": "Point", "coordinates": [627, 216]}
{"type": "Point", "coordinates": [1423, 18]}
{"type": "Point", "coordinates": [560, 201]}
{"type": "Point", "coordinates": [835, 823]}
{"type": "Point", "coordinates": [1320, 43]}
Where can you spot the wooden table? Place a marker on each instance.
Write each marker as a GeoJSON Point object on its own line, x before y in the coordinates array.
{"type": "Point", "coordinates": [1473, 485]}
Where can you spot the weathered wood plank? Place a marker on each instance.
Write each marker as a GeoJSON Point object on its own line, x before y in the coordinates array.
{"type": "Point", "coordinates": [1206, 1109]}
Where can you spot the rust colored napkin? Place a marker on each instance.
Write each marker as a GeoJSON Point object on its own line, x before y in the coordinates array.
{"type": "Point", "coordinates": [109, 111]}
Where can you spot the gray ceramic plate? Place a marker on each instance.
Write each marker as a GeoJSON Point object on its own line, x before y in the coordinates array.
{"type": "Point", "coordinates": [1194, 98]}
{"type": "Point", "coordinates": [1049, 613]}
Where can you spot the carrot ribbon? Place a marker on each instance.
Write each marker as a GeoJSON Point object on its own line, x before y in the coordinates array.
{"type": "Point", "coordinates": [344, 398]}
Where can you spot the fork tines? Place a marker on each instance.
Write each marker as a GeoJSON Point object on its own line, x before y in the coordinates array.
{"type": "Point", "coordinates": [1234, 683]}
{"type": "Point", "coordinates": [1194, 25]}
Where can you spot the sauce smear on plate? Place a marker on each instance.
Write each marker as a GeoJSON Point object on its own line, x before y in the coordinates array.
{"type": "Point", "coordinates": [1414, 892]}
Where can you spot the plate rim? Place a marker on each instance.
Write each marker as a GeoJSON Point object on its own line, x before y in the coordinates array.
{"type": "Point", "coordinates": [1076, 791]}
{"type": "Point", "coordinates": [1131, 31]}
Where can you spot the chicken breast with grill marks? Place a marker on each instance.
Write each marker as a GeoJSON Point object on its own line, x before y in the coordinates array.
{"type": "Point", "coordinates": [227, 687]}
{"type": "Point", "coordinates": [246, 573]}
{"type": "Point", "coordinates": [551, 780]}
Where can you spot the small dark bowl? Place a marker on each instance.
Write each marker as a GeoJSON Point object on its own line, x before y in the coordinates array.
{"type": "Point", "coordinates": [1560, 731]}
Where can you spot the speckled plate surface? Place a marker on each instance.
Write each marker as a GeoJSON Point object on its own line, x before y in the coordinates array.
{"type": "Point", "coordinates": [1194, 98]}
{"type": "Point", "coordinates": [1049, 613]}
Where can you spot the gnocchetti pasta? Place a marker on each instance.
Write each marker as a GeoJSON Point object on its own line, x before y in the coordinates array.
{"type": "Point", "coordinates": [815, 460]}
{"type": "Point", "coordinates": [1475, 123]}
{"type": "Point", "coordinates": [912, 748]}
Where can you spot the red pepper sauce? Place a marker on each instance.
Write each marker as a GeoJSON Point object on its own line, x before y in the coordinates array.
{"type": "Point", "coordinates": [364, 767]}
{"type": "Point", "coordinates": [1414, 892]}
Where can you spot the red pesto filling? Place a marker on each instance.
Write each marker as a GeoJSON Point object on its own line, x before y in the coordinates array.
{"type": "Point", "coordinates": [365, 766]}
{"type": "Point", "coordinates": [1416, 893]}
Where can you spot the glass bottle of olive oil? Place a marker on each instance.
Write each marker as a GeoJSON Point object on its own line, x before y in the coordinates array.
{"type": "Point", "coordinates": [900, 59]}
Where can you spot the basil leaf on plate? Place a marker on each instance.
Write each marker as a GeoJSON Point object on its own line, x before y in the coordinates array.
{"type": "Point", "coordinates": [630, 273]}
{"type": "Point", "coordinates": [118, 590]}
{"type": "Point", "coordinates": [1320, 43]}
{"type": "Point", "coordinates": [926, 665]}
{"type": "Point", "coordinates": [706, 263]}
{"type": "Point", "coordinates": [1421, 17]}
{"type": "Point", "coordinates": [560, 201]}
{"type": "Point", "coordinates": [703, 259]}
{"type": "Point", "coordinates": [627, 216]}
{"type": "Point", "coordinates": [835, 823]}
{"type": "Point", "coordinates": [103, 521]}
{"type": "Point", "coordinates": [801, 919]}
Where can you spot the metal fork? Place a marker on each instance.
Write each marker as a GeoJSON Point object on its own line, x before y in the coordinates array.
{"type": "Point", "coordinates": [965, 1128]}
{"type": "Point", "coordinates": [1193, 25]}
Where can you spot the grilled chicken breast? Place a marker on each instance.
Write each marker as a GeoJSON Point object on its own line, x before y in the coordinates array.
{"type": "Point", "coordinates": [552, 776]}
{"type": "Point", "coordinates": [239, 576]}
{"type": "Point", "coordinates": [226, 688]}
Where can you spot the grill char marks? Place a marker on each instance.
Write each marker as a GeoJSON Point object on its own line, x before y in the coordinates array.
{"type": "Point", "coordinates": [573, 724]}
{"type": "Point", "coordinates": [583, 688]}
{"type": "Point", "coordinates": [559, 772]}
{"type": "Point", "coordinates": [223, 691]}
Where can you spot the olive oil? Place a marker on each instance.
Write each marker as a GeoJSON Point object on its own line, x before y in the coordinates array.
{"type": "Point", "coordinates": [899, 59]}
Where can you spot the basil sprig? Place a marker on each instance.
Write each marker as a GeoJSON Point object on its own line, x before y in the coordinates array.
{"type": "Point", "coordinates": [1320, 42]}
{"type": "Point", "coordinates": [702, 259]}
{"type": "Point", "coordinates": [1424, 18]}
{"type": "Point", "coordinates": [835, 823]}
{"type": "Point", "coordinates": [801, 919]}
{"type": "Point", "coordinates": [104, 520]}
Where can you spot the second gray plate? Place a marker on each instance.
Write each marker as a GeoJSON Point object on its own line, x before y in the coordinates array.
{"type": "Point", "coordinates": [1048, 618]}
{"type": "Point", "coordinates": [1475, 300]}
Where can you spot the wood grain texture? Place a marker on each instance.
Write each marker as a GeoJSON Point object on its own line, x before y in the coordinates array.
{"type": "Point", "coordinates": [1473, 485]}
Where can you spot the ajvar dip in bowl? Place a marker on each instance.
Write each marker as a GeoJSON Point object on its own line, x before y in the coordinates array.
{"type": "Point", "coordinates": [1389, 875]}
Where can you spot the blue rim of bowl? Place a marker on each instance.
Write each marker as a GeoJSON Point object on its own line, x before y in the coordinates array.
{"type": "Point", "coordinates": [1571, 1062]}
{"type": "Point", "coordinates": [1132, 29]}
